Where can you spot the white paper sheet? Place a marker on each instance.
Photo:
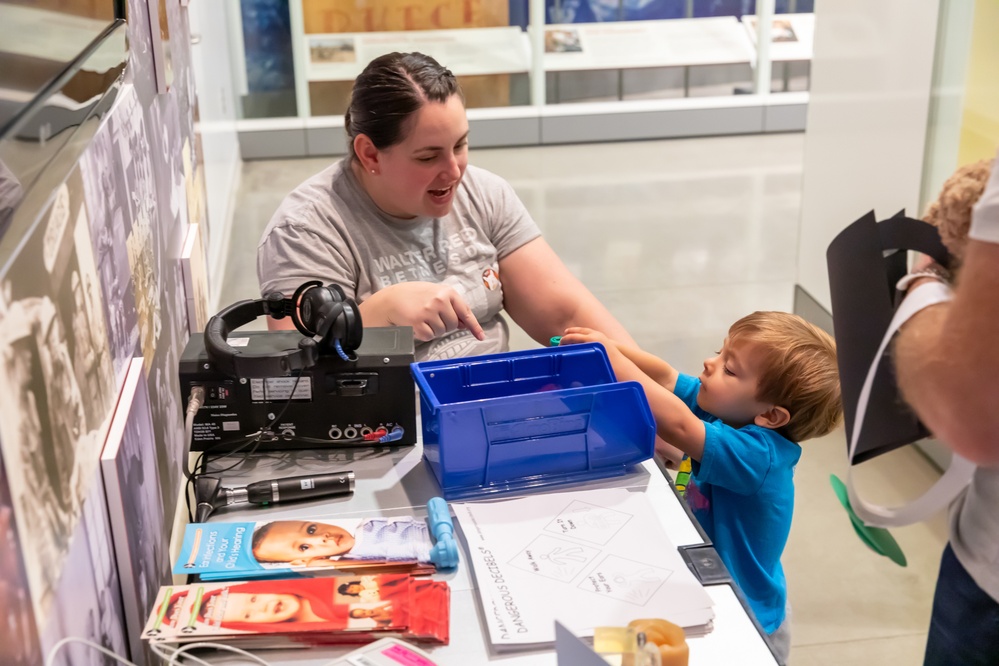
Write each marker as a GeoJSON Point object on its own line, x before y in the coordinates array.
{"type": "Point", "coordinates": [587, 558]}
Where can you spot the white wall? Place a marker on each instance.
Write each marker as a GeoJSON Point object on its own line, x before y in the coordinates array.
{"type": "Point", "coordinates": [214, 76]}
{"type": "Point", "coordinates": [947, 102]}
{"type": "Point", "coordinates": [872, 72]}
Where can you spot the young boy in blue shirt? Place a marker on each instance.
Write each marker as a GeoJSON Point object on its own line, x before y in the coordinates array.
{"type": "Point", "coordinates": [774, 383]}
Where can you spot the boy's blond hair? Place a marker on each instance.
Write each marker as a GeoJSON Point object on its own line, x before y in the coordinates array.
{"type": "Point", "coordinates": [799, 371]}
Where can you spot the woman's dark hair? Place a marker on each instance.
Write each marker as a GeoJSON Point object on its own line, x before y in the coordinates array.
{"type": "Point", "coordinates": [389, 91]}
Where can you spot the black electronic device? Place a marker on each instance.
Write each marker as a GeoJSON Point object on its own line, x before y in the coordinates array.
{"type": "Point", "coordinates": [326, 385]}
{"type": "Point", "coordinates": [211, 494]}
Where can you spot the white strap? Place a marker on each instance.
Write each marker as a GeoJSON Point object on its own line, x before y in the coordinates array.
{"type": "Point", "coordinates": [957, 476]}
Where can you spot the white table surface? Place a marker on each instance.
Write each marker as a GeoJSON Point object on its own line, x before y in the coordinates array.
{"type": "Point", "coordinates": [398, 482]}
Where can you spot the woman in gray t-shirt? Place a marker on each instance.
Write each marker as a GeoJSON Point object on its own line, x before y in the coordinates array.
{"type": "Point", "coordinates": [415, 235]}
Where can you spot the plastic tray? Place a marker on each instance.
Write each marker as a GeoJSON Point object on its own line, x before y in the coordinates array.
{"type": "Point", "coordinates": [516, 420]}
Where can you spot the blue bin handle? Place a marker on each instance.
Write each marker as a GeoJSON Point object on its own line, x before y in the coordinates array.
{"type": "Point", "coordinates": [444, 553]}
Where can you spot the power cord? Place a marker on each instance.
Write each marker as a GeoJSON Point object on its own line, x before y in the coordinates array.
{"type": "Point", "coordinates": [194, 403]}
{"type": "Point", "coordinates": [54, 652]}
{"type": "Point", "coordinates": [168, 653]}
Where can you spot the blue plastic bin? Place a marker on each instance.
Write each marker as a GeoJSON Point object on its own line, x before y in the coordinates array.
{"type": "Point", "coordinates": [515, 420]}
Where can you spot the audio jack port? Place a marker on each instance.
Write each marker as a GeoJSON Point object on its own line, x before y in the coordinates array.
{"type": "Point", "coordinates": [366, 431]}
{"type": "Point", "coordinates": [350, 432]}
{"type": "Point", "coordinates": [335, 433]}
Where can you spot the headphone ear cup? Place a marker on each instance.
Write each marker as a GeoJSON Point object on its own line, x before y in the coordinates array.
{"type": "Point", "coordinates": [314, 305]}
{"type": "Point", "coordinates": [304, 306]}
{"type": "Point", "coordinates": [353, 329]}
{"type": "Point", "coordinates": [327, 313]}
{"type": "Point", "coordinates": [328, 324]}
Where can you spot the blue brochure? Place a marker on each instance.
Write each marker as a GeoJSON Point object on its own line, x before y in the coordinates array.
{"type": "Point", "coordinates": [317, 546]}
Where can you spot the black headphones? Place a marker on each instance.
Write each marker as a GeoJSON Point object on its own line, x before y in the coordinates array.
{"type": "Point", "coordinates": [330, 322]}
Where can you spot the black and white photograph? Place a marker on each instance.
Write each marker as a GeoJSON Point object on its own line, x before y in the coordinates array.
{"type": "Point", "coordinates": [56, 369]}
{"type": "Point", "coordinates": [182, 88]}
{"type": "Point", "coordinates": [108, 206]}
{"type": "Point", "coordinates": [164, 388]}
{"type": "Point", "coordinates": [131, 479]}
{"type": "Point", "coordinates": [88, 596]}
{"type": "Point", "coordinates": [18, 635]}
{"type": "Point", "coordinates": [141, 66]}
{"type": "Point", "coordinates": [159, 30]}
{"type": "Point", "coordinates": [142, 249]}
{"type": "Point", "coordinates": [169, 167]}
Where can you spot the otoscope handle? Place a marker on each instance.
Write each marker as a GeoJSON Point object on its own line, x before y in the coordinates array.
{"type": "Point", "coordinates": [300, 487]}
{"type": "Point", "coordinates": [444, 553]}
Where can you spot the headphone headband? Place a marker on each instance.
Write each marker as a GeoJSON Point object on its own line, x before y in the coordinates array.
{"type": "Point", "coordinates": [236, 363]}
{"type": "Point", "coordinates": [330, 318]}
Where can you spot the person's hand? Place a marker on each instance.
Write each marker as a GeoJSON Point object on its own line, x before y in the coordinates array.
{"type": "Point", "coordinates": [671, 456]}
{"type": "Point", "coordinates": [577, 334]}
{"type": "Point", "coordinates": [924, 269]}
{"type": "Point", "coordinates": [431, 308]}
{"type": "Point", "coordinates": [921, 262]}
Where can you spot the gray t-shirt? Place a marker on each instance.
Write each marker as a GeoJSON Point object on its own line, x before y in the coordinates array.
{"type": "Point", "coordinates": [974, 530]}
{"type": "Point", "coordinates": [329, 229]}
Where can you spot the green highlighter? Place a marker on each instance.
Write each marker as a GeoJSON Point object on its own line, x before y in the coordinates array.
{"type": "Point", "coordinates": [877, 539]}
{"type": "Point", "coordinates": [555, 340]}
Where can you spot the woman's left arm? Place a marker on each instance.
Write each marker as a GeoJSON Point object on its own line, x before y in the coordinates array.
{"type": "Point", "coordinates": [544, 298]}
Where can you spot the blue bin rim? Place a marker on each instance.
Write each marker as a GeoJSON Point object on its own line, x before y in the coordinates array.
{"type": "Point", "coordinates": [523, 353]}
{"type": "Point", "coordinates": [420, 368]}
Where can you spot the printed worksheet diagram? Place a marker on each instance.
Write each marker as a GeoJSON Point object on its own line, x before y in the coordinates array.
{"type": "Point", "coordinates": [554, 558]}
{"type": "Point", "coordinates": [588, 522]}
{"type": "Point", "coordinates": [626, 580]}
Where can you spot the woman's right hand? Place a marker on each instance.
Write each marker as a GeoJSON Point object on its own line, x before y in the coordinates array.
{"type": "Point", "coordinates": [432, 309]}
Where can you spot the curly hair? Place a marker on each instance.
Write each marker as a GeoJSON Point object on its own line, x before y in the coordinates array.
{"type": "Point", "coordinates": [800, 371]}
{"type": "Point", "coordinates": [951, 212]}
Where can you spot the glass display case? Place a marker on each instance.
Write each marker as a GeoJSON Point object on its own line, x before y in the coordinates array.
{"type": "Point", "coordinates": [520, 61]}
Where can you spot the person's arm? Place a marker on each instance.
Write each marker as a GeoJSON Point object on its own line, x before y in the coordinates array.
{"type": "Point", "coordinates": [285, 324]}
{"type": "Point", "coordinates": [544, 298]}
{"type": "Point", "coordinates": [675, 423]}
{"type": "Point", "coordinates": [947, 360]}
{"type": "Point", "coordinates": [659, 370]}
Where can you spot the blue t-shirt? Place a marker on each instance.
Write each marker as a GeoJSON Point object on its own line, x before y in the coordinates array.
{"type": "Point", "coordinates": [742, 494]}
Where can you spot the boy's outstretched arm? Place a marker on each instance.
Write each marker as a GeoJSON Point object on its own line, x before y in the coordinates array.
{"type": "Point", "coordinates": [675, 423]}
{"type": "Point", "coordinates": [659, 370]}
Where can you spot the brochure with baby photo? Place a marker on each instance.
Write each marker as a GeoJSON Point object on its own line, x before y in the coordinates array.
{"type": "Point", "coordinates": [303, 611]}
{"type": "Point", "coordinates": [283, 548]}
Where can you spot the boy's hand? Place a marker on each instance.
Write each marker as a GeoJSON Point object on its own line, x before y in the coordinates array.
{"type": "Point", "coordinates": [577, 334]}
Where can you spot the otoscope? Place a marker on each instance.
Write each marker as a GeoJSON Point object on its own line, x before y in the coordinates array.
{"type": "Point", "coordinates": [211, 494]}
